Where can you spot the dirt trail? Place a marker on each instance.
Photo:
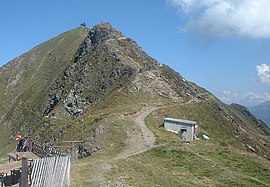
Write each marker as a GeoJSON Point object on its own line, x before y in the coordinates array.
{"type": "Point", "coordinates": [139, 139]}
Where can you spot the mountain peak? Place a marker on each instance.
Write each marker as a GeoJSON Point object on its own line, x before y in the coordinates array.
{"type": "Point", "coordinates": [104, 24]}
{"type": "Point", "coordinates": [104, 31]}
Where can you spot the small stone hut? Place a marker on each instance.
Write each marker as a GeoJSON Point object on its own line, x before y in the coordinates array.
{"type": "Point", "coordinates": [185, 128]}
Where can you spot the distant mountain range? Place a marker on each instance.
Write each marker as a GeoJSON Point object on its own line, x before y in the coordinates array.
{"type": "Point", "coordinates": [262, 111]}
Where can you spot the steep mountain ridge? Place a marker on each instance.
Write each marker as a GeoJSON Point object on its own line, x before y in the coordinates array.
{"type": "Point", "coordinates": [92, 84]}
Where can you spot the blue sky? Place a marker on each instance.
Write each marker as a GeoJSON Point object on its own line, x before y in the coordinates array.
{"type": "Point", "coordinates": [222, 45]}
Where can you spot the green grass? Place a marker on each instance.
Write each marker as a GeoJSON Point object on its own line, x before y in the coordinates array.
{"type": "Point", "coordinates": [217, 162]}
{"type": "Point", "coordinates": [6, 145]}
{"type": "Point", "coordinates": [6, 148]}
{"type": "Point", "coordinates": [209, 122]}
{"type": "Point", "coordinates": [192, 165]}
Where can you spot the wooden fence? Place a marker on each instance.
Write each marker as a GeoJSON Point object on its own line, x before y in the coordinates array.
{"type": "Point", "coordinates": [51, 172]}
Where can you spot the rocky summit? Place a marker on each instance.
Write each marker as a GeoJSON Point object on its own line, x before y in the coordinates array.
{"type": "Point", "coordinates": [99, 86]}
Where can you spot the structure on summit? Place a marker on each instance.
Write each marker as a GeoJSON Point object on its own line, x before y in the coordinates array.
{"type": "Point", "coordinates": [185, 128]}
{"type": "Point", "coordinates": [83, 24]}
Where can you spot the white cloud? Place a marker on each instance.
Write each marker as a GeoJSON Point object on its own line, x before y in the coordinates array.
{"type": "Point", "coordinates": [219, 18]}
{"type": "Point", "coordinates": [228, 97]}
{"type": "Point", "coordinates": [247, 99]}
{"type": "Point", "coordinates": [250, 98]}
{"type": "Point", "coordinates": [263, 73]}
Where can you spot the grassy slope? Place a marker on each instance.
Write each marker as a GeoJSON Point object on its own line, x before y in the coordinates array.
{"type": "Point", "coordinates": [6, 145]}
{"type": "Point", "coordinates": [39, 64]}
{"type": "Point", "coordinates": [213, 163]}
{"type": "Point", "coordinates": [200, 164]}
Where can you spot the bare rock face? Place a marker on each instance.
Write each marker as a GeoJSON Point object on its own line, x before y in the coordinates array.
{"type": "Point", "coordinates": [102, 33]}
{"type": "Point", "coordinates": [152, 83]}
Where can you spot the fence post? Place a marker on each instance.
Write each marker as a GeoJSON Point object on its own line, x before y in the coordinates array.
{"type": "Point", "coordinates": [24, 176]}
{"type": "Point", "coordinates": [46, 151]}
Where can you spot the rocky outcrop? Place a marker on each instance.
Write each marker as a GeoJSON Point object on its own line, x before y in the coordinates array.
{"type": "Point", "coordinates": [95, 73]}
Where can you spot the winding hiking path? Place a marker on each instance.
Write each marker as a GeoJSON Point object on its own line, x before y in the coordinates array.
{"type": "Point", "coordinates": [139, 139]}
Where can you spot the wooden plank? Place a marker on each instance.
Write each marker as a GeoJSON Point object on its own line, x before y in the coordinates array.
{"type": "Point", "coordinates": [6, 168]}
{"type": "Point", "coordinates": [29, 155]}
{"type": "Point", "coordinates": [12, 155]}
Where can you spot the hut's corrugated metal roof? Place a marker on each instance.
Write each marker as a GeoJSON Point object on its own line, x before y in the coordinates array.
{"type": "Point", "coordinates": [181, 121]}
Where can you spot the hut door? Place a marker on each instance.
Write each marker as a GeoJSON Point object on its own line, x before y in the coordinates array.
{"type": "Point", "coordinates": [183, 133]}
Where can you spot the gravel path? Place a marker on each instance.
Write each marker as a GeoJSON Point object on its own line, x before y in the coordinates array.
{"type": "Point", "coordinates": [139, 139]}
